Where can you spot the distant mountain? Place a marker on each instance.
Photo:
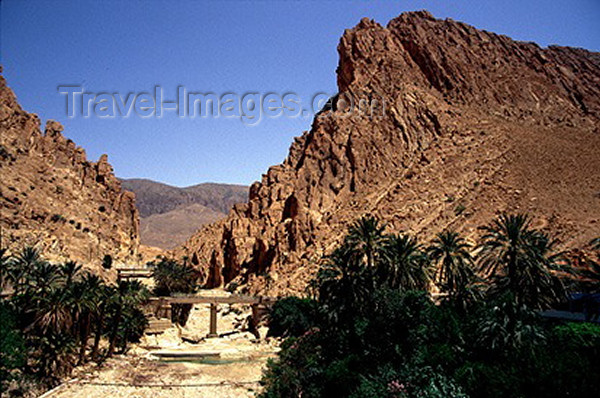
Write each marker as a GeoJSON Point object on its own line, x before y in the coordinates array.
{"type": "Point", "coordinates": [169, 215]}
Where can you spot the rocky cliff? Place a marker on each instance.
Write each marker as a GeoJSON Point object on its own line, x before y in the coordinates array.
{"type": "Point", "coordinates": [465, 124]}
{"type": "Point", "coordinates": [52, 197]}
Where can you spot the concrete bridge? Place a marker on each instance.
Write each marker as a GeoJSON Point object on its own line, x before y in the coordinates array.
{"type": "Point", "coordinates": [133, 273]}
{"type": "Point", "coordinates": [162, 307]}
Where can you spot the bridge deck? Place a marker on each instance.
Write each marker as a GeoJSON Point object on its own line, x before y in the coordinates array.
{"type": "Point", "coordinates": [125, 273]}
{"type": "Point", "coordinates": [214, 301]}
{"type": "Point", "coordinates": [193, 299]}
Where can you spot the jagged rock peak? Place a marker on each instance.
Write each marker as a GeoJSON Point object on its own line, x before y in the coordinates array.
{"type": "Point", "coordinates": [52, 197]}
{"type": "Point", "coordinates": [467, 124]}
{"type": "Point", "coordinates": [469, 65]}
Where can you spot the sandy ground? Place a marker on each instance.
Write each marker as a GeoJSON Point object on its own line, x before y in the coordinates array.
{"type": "Point", "coordinates": [140, 374]}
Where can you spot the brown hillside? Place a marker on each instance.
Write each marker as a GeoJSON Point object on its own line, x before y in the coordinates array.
{"type": "Point", "coordinates": [52, 197]}
{"type": "Point", "coordinates": [167, 230]}
{"type": "Point", "coordinates": [474, 123]}
{"type": "Point", "coordinates": [170, 215]}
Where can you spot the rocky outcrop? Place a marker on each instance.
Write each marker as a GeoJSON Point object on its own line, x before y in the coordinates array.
{"type": "Point", "coordinates": [52, 197]}
{"type": "Point", "coordinates": [462, 124]}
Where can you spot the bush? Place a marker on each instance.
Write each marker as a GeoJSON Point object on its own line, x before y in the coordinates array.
{"type": "Point", "coordinates": [12, 346]}
{"type": "Point", "coordinates": [297, 371]}
{"type": "Point", "coordinates": [570, 362]}
{"type": "Point", "coordinates": [172, 277]}
{"type": "Point", "coordinates": [292, 316]}
{"type": "Point", "coordinates": [57, 218]}
{"type": "Point", "coordinates": [107, 261]}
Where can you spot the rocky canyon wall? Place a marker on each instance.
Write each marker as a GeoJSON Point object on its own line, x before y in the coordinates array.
{"type": "Point", "coordinates": [472, 124]}
{"type": "Point", "coordinates": [53, 198]}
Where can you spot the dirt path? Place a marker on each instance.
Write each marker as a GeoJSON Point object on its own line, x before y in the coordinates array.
{"type": "Point", "coordinates": [140, 374]}
{"type": "Point", "coordinates": [137, 377]}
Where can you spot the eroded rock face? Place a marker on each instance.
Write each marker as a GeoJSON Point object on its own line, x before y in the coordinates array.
{"type": "Point", "coordinates": [473, 123]}
{"type": "Point", "coordinates": [52, 197]}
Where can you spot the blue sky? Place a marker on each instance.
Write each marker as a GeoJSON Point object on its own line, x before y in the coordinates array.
{"type": "Point", "coordinates": [229, 46]}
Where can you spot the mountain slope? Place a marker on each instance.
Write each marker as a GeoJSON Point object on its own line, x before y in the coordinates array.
{"type": "Point", "coordinates": [157, 198]}
{"type": "Point", "coordinates": [473, 123]}
{"type": "Point", "coordinates": [52, 197]}
{"type": "Point", "coordinates": [170, 215]}
{"type": "Point", "coordinates": [167, 230]}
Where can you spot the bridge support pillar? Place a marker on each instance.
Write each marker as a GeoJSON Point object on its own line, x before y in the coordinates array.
{"type": "Point", "coordinates": [213, 321]}
{"type": "Point", "coordinates": [254, 319]}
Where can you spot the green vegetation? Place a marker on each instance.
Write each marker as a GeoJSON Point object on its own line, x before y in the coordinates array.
{"type": "Point", "coordinates": [172, 277]}
{"type": "Point", "coordinates": [373, 330]}
{"type": "Point", "coordinates": [459, 209]}
{"type": "Point", "coordinates": [292, 316]}
{"type": "Point", "coordinates": [107, 261]}
{"type": "Point", "coordinates": [57, 218]}
{"type": "Point", "coordinates": [595, 243]}
{"type": "Point", "coordinates": [51, 314]}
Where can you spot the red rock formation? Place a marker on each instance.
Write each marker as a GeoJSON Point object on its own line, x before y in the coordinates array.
{"type": "Point", "coordinates": [52, 197]}
{"type": "Point", "coordinates": [472, 124]}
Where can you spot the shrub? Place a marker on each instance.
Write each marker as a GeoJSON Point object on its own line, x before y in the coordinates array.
{"type": "Point", "coordinates": [172, 277]}
{"type": "Point", "coordinates": [459, 209]}
{"type": "Point", "coordinates": [57, 218]}
{"type": "Point", "coordinates": [292, 316]}
{"type": "Point", "coordinates": [107, 261]}
{"type": "Point", "coordinates": [12, 346]}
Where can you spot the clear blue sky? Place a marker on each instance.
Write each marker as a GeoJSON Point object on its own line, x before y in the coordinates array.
{"type": "Point", "coordinates": [220, 47]}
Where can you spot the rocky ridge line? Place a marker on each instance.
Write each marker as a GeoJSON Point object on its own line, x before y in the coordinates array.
{"type": "Point", "coordinates": [473, 124]}
{"type": "Point", "coordinates": [52, 197]}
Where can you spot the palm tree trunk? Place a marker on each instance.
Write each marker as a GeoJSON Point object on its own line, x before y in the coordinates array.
{"type": "Point", "coordinates": [512, 276]}
{"type": "Point", "coordinates": [114, 332]}
{"type": "Point", "coordinates": [98, 335]}
{"type": "Point", "coordinates": [84, 336]}
{"type": "Point", "coordinates": [512, 280]}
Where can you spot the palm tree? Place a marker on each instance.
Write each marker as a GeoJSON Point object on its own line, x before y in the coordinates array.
{"type": "Point", "coordinates": [344, 283]}
{"type": "Point", "coordinates": [6, 264]}
{"type": "Point", "coordinates": [54, 354]}
{"type": "Point", "coordinates": [521, 260]}
{"type": "Point", "coordinates": [104, 297]}
{"type": "Point", "coordinates": [69, 271]}
{"type": "Point", "coordinates": [133, 325]}
{"type": "Point", "coordinates": [455, 272]}
{"type": "Point", "coordinates": [546, 261]}
{"type": "Point", "coordinates": [23, 264]}
{"type": "Point", "coordinates": [127, 294]}
{"type": "Point", "coordinates": [28, 257]}
{"type": "Point", "coordinates": [85, 299]}
{"type": "Point", "coordinates": [42, 278]}
{"type": "Point", "coordinates": [172, 277]}
{"type": "Point", "coordinates": [366, 237]}
{"type": "Point", "coordinates": [54, 311]}
{"type": "Point", "coordinates": [507, 326]}
{"type": "Point", "coordinates": [591, 273]}
{"type": "Point", "coordinates": [595, 243]}
{"type": "Point", "coordinates": [346, 286]}
{"type": "Point", "coordinates": [405, 264]}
